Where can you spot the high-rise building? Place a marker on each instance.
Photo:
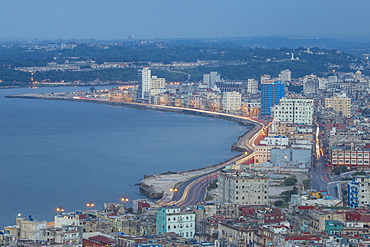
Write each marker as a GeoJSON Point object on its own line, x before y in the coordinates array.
{"type": "Point", "coordinates": [243, 188]}
{"type": "Point", "coordinates": [158, 85]}
{"type": "Point", "coordinates": [146, 80]}
{"type": "Point", "coordinates": [310, 84]}
{"type": "Point", "coordinates": [285, 76]}
{"type": "Point", "coordinates": [231, 101]}
{"type": "Point", "coordinates": [252, 87]}
{"type": "Point", "coordinates": [298, 111]}
{"type": "Point", "coordinates": [211, 78]}
{"type": "Point", "coordinates": [342, 105]}
{"type": "Point", "coordinates": [271, 93]}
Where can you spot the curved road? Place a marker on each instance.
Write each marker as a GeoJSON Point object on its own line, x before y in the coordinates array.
{"type": "Point", "coordinates": [193, 191]}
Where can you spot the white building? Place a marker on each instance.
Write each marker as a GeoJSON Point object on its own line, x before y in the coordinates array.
{"type": "Point", "coordinates": [285, 76]}
{"type": "Point", "coordinates": [231, 101]}
{"type": "Point", "coordinates": [243, 188]}
{"type": "Point", "coordinates": [211, 78]}
{"type": "Point", "coordinates": [173, 219]}
{"type": "Point", "coordinates": [310, 84]}
{"type": "Point", "coordinates": [158, 85]}
{"type": "Point", "coordinates": [298, 111]}
{"type": "Point", "coordinates": [67, 219]}
{"type": "Point", "coordinates": [275, 140]}
{"type": "Point", "coordinates": [252, 86]}
{"type": "Point", "coordinates": [145, 82]}
{"type": "Point", "coordinates": [323, 83]}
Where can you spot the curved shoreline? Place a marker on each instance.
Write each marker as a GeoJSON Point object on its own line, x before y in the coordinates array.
{"type": "Point", "coordinates": [158, 186]}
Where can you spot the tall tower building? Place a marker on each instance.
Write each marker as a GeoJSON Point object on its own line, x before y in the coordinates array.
{"type": "Point", "coordinates": [252, 87]}
{"type": "Point", "coordinates": [211, 78]}
{"type": "Point", "coordinates": [285, 76]}
{"type": "Point", "coordinates": [145, 75]}
{"type": "Point", "coordinates": [271, 93]}
{"type": "Point", "coordinates": [310, 84]}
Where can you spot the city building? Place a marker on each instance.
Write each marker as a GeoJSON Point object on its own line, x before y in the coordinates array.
{"type": "Point", "coordinates": [145, 76]}
{"type": "Point", "coordinates": [359, 191]}
{"type": "Point", "coordinates": [66, 235]}
{"type": "Point", "coordinates": [26, 228]}
{"type": "Point", "coordinates": [271, 93]}
{"type": "Point", "coordinates": [297, 111]}
{"type": "Point", "coordinates": [285, 76]}
{"type": "Point", "coordinates": [352, 159]}
{"type": "Point", "coordinates": [252, 86]}
{"type": "Point", "coordinates": [211, 78]}
{"type": "Point", "coordinates": [231, 102]}
{"type": "Point", "coordinates": [263, 153]}
{"type": "Point", "coordinates": [242, 187]}
{"type": "Point", "coordinates": [277, 140]}
{"type": "Point", "coordinates": [67, 219]}
{"type": "Point", "coordinates": [340, 105]}
{"type": "Point", "coordinates": [177, 220]}
{"type": "Point", "coordinates": [310, 85]}
{"type": "Point", "coordinates": [158, 85]}
{"type": "Point", "coordinates": [291, 159]}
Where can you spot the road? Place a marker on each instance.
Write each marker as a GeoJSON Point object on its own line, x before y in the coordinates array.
{"type": "Point", "coordinates": [193, 191]}
{"type": "Point", "coordinates": [322, 180]}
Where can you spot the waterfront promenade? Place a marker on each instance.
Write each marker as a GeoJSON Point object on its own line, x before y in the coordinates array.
{"type": "Point", "coordinates": [159, 186]}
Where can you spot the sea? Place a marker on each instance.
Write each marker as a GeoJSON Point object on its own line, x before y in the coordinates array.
{"type": "Point", "coordinates": [65, 154]}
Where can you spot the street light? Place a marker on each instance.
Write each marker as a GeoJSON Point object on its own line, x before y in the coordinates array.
{"type": "Point", "coordinates": [59, 209]}
{"type": "Point", "coordinates": [174, 189]}
{"type": "Point", "coordinates": [124, 199]}
{"type": "Point", "coordinates": [90, 204]}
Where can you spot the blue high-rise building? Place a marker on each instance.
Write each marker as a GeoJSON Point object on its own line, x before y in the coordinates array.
{"type": "Point", "coordinates": [271, 93]}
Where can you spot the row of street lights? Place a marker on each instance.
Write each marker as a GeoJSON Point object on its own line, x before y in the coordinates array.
{"type": "Point", "coordinates": [90, 204]}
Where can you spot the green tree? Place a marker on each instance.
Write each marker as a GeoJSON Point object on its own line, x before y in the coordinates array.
{"type": "Point", "coordinates": [340, 169]}
{"type": "Point", "coordinates": [288, 194]}
{"type": "Point", "coordinates": [279, 203]}
{"type": "Point", "coordinates": [290, 181]}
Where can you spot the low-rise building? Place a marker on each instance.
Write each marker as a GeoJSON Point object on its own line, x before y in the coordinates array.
{"type": "Point", "coordinates": [173, 219]}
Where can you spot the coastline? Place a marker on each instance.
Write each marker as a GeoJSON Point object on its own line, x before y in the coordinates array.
{"type": "Point", "coordinates": [158, 186]}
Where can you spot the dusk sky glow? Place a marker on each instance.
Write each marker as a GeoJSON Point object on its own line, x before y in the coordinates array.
{"type": "Point", "coordinates": [118, 19]}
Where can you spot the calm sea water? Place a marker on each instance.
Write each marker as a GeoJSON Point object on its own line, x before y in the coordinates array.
{"type": "Point", "coordinates": [67, 153]}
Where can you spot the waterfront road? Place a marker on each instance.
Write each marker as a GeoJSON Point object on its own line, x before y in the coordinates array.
{"type": "Point", "coordinates": [194, 191]}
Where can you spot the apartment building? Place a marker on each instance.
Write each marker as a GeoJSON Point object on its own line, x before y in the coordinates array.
{"type": "Point", "coordinates": [342, 105]}
{"type": "Point", "coordinates": [243, 188]}
{"type": "Point", "coordinates": [298, 111]}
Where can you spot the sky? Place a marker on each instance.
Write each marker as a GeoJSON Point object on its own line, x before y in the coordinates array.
{"type": "Point", "coordinates": [147, 19]}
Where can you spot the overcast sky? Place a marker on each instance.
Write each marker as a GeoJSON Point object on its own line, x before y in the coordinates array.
{"type": "Point", "coordinates": [118, 19]}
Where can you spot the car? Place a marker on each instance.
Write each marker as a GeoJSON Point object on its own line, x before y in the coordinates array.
{"type": "Point", "coordinates": [327, 165]}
